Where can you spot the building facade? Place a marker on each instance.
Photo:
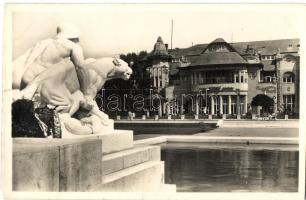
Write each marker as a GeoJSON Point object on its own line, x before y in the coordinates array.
{"type": "Point", "coordinates": [228, 78]}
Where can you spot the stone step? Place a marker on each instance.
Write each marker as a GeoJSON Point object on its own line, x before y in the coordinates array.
{"type": "Point", "coordinates": [121, 160]}
{"type": "Point", "coordinates": [145, 177]}
{"type": "Point", "coordinates": [168, 188]}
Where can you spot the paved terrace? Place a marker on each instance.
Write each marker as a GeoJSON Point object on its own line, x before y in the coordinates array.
{"type": "Point", "coordinates": [244, 128]}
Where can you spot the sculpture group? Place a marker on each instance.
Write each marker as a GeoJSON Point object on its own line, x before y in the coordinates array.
{"type": "Point", "coordinates": [54, 73]}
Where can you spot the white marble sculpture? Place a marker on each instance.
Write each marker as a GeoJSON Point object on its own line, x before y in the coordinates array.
{"type": "Point", "coordinates": [56, 70]}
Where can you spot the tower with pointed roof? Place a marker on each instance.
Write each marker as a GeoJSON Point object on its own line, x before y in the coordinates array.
{"type": "Point", "coordinates": [157, 64]}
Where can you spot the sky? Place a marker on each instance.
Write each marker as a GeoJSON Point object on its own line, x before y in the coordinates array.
{"type": "Point", "coordinates": [112, 29]}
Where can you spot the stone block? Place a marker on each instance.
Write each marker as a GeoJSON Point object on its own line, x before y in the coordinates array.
{"type": "Point", "coordinates": [196, 116]}
{"type": "Point", "coordinates": [124, 159]}
{"type": "Point", "coordinates": [286, 117]}
{"type": "Point", "coordinates": [224, 116]}
{"type": "Point", "coordinates": [254, 116]}
{"type": "Point", "coordinates": [169, 117]}
{"type": "Point", "coordinates": [41, 164]}
{"type": "Point", "coordinates": [182, 116]}
{"type": "Point", "coordinates": [146, 177]}
{"type": "Point", "coordinates": [118, 141]}
{"type": "Point", "coordinates": [143, 117]}
{"type": "Point", "coordinates": [115, 140]}
{"type": "Point", "coordinates": [118, 117]}
{"type": "Point", "coordinates": [238, 116]}
{"type": "Point", "coordinates": [156, 117]}
{"type": "Point", "coordinates": [81, 167]}
{"type": "Point", "coordinates": [36, 170]}
{"type": "Point", "coordinates": [209, 116]}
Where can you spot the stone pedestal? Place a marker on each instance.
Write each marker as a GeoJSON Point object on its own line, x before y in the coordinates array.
{"type": "Point", "coordinates": [209, 116]}
{"type": "Point", "coordinates": [286, 117]}
{"type": "Point", "coordinates": [57, 164]}
{"type": "Point", "coordinates": [196, 116]}
{"type": "Point", "coordinates": [238, 116]}
{"type": "Point", "coordinates": [224, 116]}
{"type": "Point", "coordinates": [118, 117]}
{"type": "Point", "coordinates": [182, 116]}
{"type": "Point", "coordinates": [253, 116]}
{"type": "Point", "coordinates": [169, 117]}
{"type": "Point", "coordinates": [143, 117]}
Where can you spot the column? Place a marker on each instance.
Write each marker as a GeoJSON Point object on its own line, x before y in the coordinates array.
{"type": "Point", "coordinates": [238, 104]}
{"type": "Point", "coordinates": [168, 108]}
{"type": "Point", "coordinates": [221, 105]}
{"type": "Point", "coordinates": [212, 105]}
{"type": "Point", "coordinates": [160, 110]}
{"type": "Point", "coordinates": [162, 76]}
{"type": "Point", "coordinates": [154, 74]}
{"type": "Point", "coordinates": [197, 105]}
{"type": "Point", "coordinates": [157, 69]}
{"type": "Point", "coordinates": [239, 75]}
{"type": "Point", "coordinates": [191, 77]}
{"type": "Point", "coordinates": [195, 78]}
{"type": "Point", "coordinates": [246, 104]}
{"type": "Point", "coordinates": [229, 104]}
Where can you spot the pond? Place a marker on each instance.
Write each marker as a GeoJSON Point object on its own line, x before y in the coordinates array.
{"type": "Point", "coordinates": [231, 168]}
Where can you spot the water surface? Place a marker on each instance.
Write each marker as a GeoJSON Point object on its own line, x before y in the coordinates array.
{"type": "Point", "coordinates": [235, 168]}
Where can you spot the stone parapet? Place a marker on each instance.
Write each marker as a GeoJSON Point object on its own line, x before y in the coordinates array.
{"type": "Point", "coordinates": [57, 164]}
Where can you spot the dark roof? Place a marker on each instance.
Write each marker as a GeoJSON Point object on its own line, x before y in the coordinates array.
{"type": "Point", "coordinates": [268, 65]}
{"type": "Point", "coordinates": [219, 58]}
{"type": "Point", "coordinates": [271, 47]}
{"type": "Point", "coordinates": [218, 40]}
{"type": "Point", "coordinates": [194, 50]}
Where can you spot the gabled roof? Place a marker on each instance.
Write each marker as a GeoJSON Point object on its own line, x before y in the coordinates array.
{"type": "Point", "coordinates": [271, 47]}
{"type": "Point", "coordinates": [219, 58]}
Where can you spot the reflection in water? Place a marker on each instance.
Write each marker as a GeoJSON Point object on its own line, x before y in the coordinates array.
{"type": "Point", "coordinates": [230, 170]}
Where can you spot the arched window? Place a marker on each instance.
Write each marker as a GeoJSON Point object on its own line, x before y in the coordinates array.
{"type": "Point", "coordinates": [288, 77]}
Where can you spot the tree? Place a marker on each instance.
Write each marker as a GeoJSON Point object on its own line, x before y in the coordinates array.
{"type": "Point", "coordinates": [137, 84]}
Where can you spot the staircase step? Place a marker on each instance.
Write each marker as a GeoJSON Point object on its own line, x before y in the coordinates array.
{"type": "Point", "coordinates": [121, 160]}
{"type": "Point", "coordinates": [145, 177]}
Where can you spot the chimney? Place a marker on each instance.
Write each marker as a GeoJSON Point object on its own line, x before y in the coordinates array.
{"type": "Point", "coordinates": [166, 46]}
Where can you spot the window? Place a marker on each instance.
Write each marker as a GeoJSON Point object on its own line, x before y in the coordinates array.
{"type": "Point", "coordinates": [242, 104]}
{"type": "Point", "coordinates": [236, 78]}
{"type": "Point", "coordinates": [252, 75]}
{"type": "Point", "coordinates": [289, 103]}
{"type": "Point", "coordinates": [288, 77]}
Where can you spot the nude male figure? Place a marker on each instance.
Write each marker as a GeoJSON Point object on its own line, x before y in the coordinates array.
{"type": "Point", "coordinates": [51, 53]}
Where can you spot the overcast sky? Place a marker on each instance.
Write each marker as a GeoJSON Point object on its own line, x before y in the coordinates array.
{"type": "Point", "coordinates": [114, 29]}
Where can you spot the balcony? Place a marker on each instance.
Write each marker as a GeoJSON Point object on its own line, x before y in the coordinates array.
{"type": "Point", "coordinates": [223, 87]}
